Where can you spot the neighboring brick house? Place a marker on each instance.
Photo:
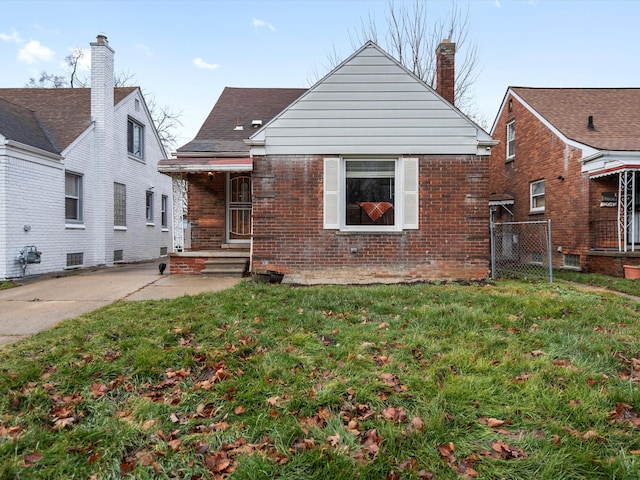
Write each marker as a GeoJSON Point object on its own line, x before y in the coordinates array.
{"type": "Point", "coordinates": [370, 175]}
{"type": "Point", "coordinates": [572, 155]}
{"type": "Point", "coordinates": [78, 176]}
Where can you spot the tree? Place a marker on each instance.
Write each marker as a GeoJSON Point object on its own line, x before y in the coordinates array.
{"type": "Point", "coordinates": [411, 35]}
{"type": "Point", "coordinates": [165, 118]}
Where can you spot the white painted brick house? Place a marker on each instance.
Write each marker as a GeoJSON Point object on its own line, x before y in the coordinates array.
{"type": "Point", "coordinates": [78, 175]}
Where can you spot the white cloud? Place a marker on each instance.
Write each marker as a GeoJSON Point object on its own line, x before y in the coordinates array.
{"type": "Point", "coordinates": [498, 3]}
{"type": "Point", "coordinates": [141, 47]}
{"type": "Point", "coordinates": [11, 37]}
{"type": "Point", "coordinates": [198, 62]}
{"type": "Point", "coordinates": [33, 51]}
{"type": "Point", "coordinates": [257, 23]}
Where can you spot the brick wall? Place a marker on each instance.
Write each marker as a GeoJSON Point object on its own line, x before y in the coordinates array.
{"type": "Point", "coordinates": [452, 242]}
{"type": "Point", "coordinates": [206, 210]}
{"type": "Point", "coordinates": [540, 154]}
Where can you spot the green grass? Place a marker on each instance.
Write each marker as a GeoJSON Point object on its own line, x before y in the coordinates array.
{"type": "Point", "coordinates": [4, 284]}
{"type": "Point", "coordinates": [515, 380]}
{"type": "Point", "coordinates": [624, 285]}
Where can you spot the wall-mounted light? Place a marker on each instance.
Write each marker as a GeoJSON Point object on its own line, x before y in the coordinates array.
{"type": "Point", "coordinates": [561, 178]}
{"type": "Point", "coordinates": [211, 176]}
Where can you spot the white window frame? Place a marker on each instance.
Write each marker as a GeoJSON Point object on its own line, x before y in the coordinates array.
{"type": "Point", "coordinates": [164, 206]}
{"type": "Point", "coordinates": [511, 140]}
{"type": "Point", "coordinates": [78, 198]}
{"type": "Point", "coordinates": [135, 131]}
{"type": "Point", "coordinates": [406, 198]}
{"type": "Point", "coordinates": [148, 202]}
{"type": "Point", "coordinates": [533, 197]}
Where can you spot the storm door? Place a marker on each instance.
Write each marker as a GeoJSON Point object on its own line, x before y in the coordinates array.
{"type": "Point", "coordinates": [238, 208]}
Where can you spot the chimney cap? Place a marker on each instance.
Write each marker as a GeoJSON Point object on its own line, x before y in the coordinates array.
{"type": "Point", "coordinates": [102, 38]}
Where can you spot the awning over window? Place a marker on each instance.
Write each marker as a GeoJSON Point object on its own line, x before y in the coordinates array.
{"type": "Point", "coordinates": [498, 199]}
{"type": "Point", "coordinates": [205, 164]}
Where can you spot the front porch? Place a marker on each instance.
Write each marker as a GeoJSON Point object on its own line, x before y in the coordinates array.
{"type": "Point", "coordinates": [615, 230]}
{"type": "Point", "coordinates": [228, 261]}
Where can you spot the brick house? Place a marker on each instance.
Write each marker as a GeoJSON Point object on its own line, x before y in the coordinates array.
{"type": "Point", "coordinates": [572, 155]}
{"type": "Point", "coordinates": [369, 175]}
{"type": "Point", "coordinates": [78, 176]}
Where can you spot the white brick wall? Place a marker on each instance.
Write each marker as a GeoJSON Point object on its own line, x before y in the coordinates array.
{"type": "Point", "coordinates": [32, 192]}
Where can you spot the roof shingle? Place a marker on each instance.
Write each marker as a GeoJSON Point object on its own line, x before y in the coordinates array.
{"type": "Point", "coordinates": [62, 113]}
{"type": "Point", "coordinates": [615, 112]}
{"type": "Point", "coordinates": [239, 106]}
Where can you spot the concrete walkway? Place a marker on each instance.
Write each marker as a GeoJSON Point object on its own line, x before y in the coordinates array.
{"type": "Point", "coordinates": [40, 302]}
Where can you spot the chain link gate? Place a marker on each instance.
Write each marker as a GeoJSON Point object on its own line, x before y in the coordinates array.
{"type": "Point", "coordinates": [521, 250]}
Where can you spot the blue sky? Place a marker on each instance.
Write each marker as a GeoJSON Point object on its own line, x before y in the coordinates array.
{"type": "Point", "coordinates": [186, 52]}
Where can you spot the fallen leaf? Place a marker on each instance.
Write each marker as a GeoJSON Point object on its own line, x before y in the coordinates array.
{"type": "Point", "coordinates": [416, 425]}
{"type": "Point", "coordinates": [494, 422]}
{"type": "Point", "coordinates": [144, 458]}
{"type": "Point", "coordinates": [31, 458]}
{"type": "Point", "coordinates": [239, 410]}
{"type": "Point", "coordinates": [174, 444]}
{"type": "Point", "coordinates": [333, 439]}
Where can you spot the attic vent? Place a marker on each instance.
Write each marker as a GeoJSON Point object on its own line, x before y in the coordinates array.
{"type": "Point", "coordinates": [238, 125]}
{"type": "Point", "coordinates": [256, 123]}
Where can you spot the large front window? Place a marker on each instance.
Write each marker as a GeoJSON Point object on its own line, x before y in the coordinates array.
{"type": "Point", "coordinates": [370, 187]}
{"type": "Point", "coordinates": [371, 195]}
{"type": "Point", "coordinates": [73, 197]}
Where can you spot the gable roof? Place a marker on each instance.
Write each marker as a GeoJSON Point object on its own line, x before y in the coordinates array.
{"type": "Point", "coordinates": [239, 106]}
{"type": "Point", "coordinates": [371, 104]}
{"type": "Point", "coordinates": [615, 112]}
{"type": "Point", "coordinates": [20, 124]}
{"type": "Point", "coordinates": [61, 114]}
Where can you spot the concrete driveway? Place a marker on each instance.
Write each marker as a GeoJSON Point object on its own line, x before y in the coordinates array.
{"type": "Point", "coordinates": [41, 302]}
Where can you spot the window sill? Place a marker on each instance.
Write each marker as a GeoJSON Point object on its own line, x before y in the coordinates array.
{"type": "Point", "coordinates": [510, 159]}
{"type": "Point", "coordinates": [370, 232]}
{"type": "Point", "coordinates": [136, 158]}
{"type": "Point", "coordinates": [120, 229]}
{"type": "Point", "coordinates": [165, 229]}
{"type": "Point", "coordinates": [536, 212]}
{"type": "Point", "coordinates": [151, 224]}
{"type": "Point", "coordinates": [74, 226]}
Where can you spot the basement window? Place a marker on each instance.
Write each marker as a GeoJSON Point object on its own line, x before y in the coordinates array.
{"type": "Point", "coordinates": [75, 259]}
{"type": "Point", "coordinates": [571, 261]}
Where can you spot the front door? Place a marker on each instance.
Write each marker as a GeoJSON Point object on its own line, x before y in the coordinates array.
{"type": "Point", "coordinates": [238, 208]}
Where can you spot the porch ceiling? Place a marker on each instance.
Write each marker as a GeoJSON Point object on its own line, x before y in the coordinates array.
{"type": "Point", "coordinates": [205, 164]}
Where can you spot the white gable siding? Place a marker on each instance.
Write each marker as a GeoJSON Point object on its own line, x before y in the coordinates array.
{"type": "Point", "coordinates": [370, 105]}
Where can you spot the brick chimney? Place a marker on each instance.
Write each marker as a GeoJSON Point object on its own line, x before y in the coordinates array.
{"type": "Point", "coordinates": [445, 70]}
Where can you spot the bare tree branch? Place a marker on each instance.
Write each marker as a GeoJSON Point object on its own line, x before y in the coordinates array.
{"type": "Point", "coordinates": [165, 118]}
{"type": "Point", "coordinates": [47, 80]}
{"type": "Point", "coordinates": [412, 35]}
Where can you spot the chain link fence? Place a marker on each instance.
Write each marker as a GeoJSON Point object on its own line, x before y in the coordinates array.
{"type": "Point", "coordinates": [521, 250]}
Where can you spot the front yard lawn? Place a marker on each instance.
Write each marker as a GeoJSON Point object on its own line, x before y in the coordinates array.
{"type": "Point", "coordinates": [512, 380]}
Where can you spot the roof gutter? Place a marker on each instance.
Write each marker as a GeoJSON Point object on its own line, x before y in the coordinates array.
{"type": "Point", "coordinates": [33, 150]}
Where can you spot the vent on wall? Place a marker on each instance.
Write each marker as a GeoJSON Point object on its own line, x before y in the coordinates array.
{"type": "Point", "coordinates": [118, 255]}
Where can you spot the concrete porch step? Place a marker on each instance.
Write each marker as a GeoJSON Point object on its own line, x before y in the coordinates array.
{"type": "Point", "coordinates": [225, 266]}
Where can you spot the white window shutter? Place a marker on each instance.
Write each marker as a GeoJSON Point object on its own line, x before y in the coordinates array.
{"type": "Point", "coordinates": [410, 194]}
{"type": "Point", "coordinates": [331, 193]}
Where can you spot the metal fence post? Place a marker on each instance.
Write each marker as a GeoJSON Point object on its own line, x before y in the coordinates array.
{"type": "Point", "coordinates": [550, 252]}
{"type": "Point", "coordinates": [493, 250]}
